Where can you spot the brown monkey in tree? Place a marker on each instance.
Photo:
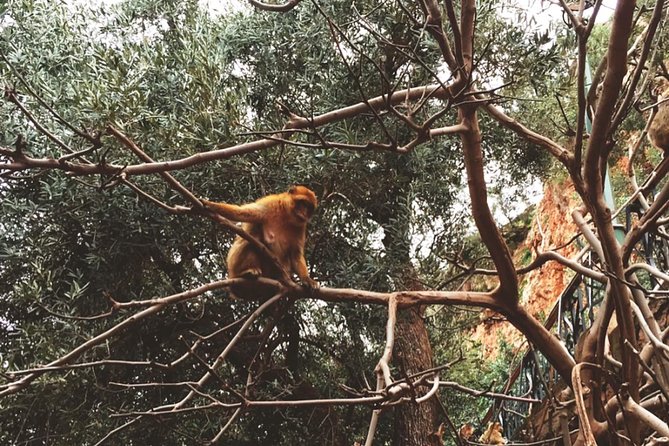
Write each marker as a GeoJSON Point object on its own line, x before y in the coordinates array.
{"type": "Point", "coordinates": [280, 222]}
{"type": "Point", "coordinates": [466, 431]}
{"type": "Point", "coordinates": [493, 435]}
{"type": "Point", "coordinates": [658, 132]}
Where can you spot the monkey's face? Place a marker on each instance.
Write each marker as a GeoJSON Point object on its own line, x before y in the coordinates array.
{"type": "Point", "coordinates": [303, 209]}
{"type": "Point", "coordinates": [659, 87]}
{"type": "Point", "coordinates": [304, 203]}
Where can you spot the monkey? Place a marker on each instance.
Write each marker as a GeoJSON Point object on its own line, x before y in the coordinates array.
{"type": "Point", "coordinates": [466, 431]}
{"type": "Point", "coordinates": [493, 435]}
{"type": "Point", "coordinates": [280, 222]}
{"type": "Point", "coordinates": [438, 435]}
{"type": "Point", "coordinates": [658, 131]}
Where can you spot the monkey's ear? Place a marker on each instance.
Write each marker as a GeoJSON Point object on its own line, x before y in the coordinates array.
{"type": "Point", "coordinates": [292, 189]}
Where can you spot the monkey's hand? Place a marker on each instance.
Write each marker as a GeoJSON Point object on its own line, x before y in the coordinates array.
{"type": "Point", "coordinates": [206, 205]}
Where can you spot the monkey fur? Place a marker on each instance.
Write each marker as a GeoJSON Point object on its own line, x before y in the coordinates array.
{"type": "Point", "coordinates": [493, 434]}
{"type": "Point", "coordinates": [280, 222]}
{"type": "Point", "coordinates": [658, 132]}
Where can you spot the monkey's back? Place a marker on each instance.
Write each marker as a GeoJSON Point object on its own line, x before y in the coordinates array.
{"type": "Point", "coordinates": [659, 129]}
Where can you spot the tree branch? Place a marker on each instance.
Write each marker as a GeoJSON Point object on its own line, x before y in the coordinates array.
{"type": "Point", "coordinates": [295, 123]}
{"type": "Point", "coordinates": [284, 7]}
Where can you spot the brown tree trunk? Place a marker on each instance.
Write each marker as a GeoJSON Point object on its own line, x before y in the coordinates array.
{"type": "Point", "coordinates": [415, 424]}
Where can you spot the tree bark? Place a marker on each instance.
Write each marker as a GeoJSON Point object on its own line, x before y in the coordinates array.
{"type": "Point", "coordinates": [415, 424]}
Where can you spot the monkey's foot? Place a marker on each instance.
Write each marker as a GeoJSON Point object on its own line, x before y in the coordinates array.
{"type": "Point", "coordinates": [310, 286]}
{"type": "Point", "coordinates": [251, 274]}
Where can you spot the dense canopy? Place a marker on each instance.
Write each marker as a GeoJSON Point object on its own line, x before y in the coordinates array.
{"type": "Point", "coordinates": [426, 130]}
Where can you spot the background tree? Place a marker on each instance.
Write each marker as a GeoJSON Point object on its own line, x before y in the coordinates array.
{"type": "Point", "coordinates": [374, 106]}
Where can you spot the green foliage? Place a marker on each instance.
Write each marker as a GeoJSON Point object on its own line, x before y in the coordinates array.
{"type": "Point", "coordinates": [518, 49]}
{"type": "Point", "coordinates": [473, 369]}
{"type": "Point", "coordinates": [179, 82]}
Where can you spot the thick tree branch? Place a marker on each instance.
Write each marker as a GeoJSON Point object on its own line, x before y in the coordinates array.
{"type": "Point", "coordinates": [435, 27]}
{"type": "Point", "coordinates": [642, 415]}
{"type": "Point", "coordinates": [597, 151]}
{"type": "Point", "coordinates": [617, 66]}
{"type": "Point", "coordinates": [647, 38]}
{"type": "Point", "coordinates": [580, 390]}
{"type": "Point", "coordinates": [485, 222]}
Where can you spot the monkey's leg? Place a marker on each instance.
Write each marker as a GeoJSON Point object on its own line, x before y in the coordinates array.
{"type": "Point", "coordinates": [245, 263]}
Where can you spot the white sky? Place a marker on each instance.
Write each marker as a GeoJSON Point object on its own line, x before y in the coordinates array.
{"type": "Point", "coordinates": [544, 11]}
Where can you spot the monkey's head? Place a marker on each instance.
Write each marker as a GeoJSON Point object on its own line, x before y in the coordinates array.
{"type": "Point", "coordinates": [466, 431]}
{"type": "Point", "coordinates": [659, 87]}
{"type": "Point", "coordinates": [304, 202]}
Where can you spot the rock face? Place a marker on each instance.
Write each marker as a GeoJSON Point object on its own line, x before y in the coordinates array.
{"type": "Point", "coordinates": [552, 228]}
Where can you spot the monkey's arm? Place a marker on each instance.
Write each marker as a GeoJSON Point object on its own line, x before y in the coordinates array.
{"type": "Point", "coordinates": [249, 213]}
{"type": "Point", "coordinates": [300, 268]}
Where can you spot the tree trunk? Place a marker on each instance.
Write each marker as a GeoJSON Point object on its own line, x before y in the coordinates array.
{"type": "Point", "coordinates": [415, 424]}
